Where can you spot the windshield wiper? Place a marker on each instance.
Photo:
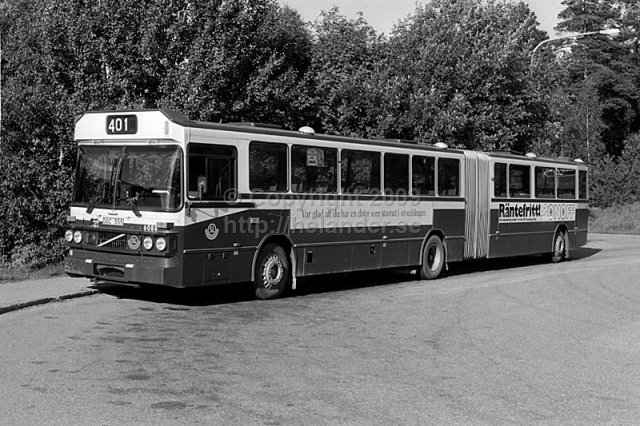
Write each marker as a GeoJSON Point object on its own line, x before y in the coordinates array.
{"type": "Point", "coordinates": [99, 197]}
{"type": "Point", "coordinates": [92, 204]}
{"type": "Point", "coordinates": [138, 190]}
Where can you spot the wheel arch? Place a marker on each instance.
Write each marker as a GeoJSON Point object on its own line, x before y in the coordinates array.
{"type": "Point", "coordinates": [283, 241]}
{"type": "Point", "coordinates": [437, 232]}
{"type": "Point", "coordinates": [561, 227]}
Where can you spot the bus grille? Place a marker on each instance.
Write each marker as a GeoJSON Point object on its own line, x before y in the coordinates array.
{"type": "Point", "coordinates": [112, 240]}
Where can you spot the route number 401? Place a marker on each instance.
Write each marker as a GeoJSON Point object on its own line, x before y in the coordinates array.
{"type": "Point", "coordinates": [122, 124]}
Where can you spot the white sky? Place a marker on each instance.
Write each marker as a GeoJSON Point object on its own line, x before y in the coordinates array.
{"type": "Point", "coordinates": [383, 14]}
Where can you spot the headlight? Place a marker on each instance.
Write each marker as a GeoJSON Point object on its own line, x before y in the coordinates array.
{"type": "Point", "coordinates": [147, 243]}
{"type": "Point", "coordinates": [77, 237]}
{"type": "Point", "coordinates": [161, 244]}
{"type": "Point", "coordinates": [68, 235]}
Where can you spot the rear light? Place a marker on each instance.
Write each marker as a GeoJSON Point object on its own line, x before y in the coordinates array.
{"type": "Point", "coordinates": [77, 237]}
{"type": "Point", "coordinates": [68, 236]}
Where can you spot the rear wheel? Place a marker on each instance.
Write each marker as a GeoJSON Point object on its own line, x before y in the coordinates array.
{"type": "Point", "coordinates": [273, 272]}
{"type": "Point", "coordinates": [432, 258]}
{"type": "Point", "coordinates": [559, 247]}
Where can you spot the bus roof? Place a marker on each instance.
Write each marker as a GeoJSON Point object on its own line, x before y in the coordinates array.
{"type": "Point", "coordinates": [86, 132]}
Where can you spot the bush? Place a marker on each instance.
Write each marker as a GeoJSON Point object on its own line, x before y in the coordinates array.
{"type": "Point", "coordinates": [617, 219]}
{"type": "Point", "coordinates": [617, 181]}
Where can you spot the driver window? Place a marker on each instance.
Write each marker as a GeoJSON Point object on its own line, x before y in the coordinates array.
{"type": "Point", "coordinates": [212, 172]}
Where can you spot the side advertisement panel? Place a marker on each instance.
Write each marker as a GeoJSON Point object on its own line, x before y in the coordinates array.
{"type": "Point", "coordinates": [536, 212]}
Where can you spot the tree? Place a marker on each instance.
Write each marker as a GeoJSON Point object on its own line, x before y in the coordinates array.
{"type": "Point", "coordinates": [238, 60]}
{"type": "Point", "coordinates": [212, 60]}
{"type": "Point", "coordinates": [345, 54]}
{"type": "Point", "coordinates": [609, 65]}
{"type": "Point", "coordinates": [458, 74]}
{"type": "Point", "coordinates": [614, 181]}
{"type": "Point", "coordinates": [581, 135]}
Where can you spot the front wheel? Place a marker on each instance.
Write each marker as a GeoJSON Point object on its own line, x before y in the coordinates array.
{"type": "Point", "coordinates": [559, 247]}
{"type": "Point", "coordinates": [432, 258]}
{"type": "Point", "coordinates": [273, 272]}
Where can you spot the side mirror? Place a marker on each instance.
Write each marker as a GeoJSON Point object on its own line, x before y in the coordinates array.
{"type": "Point", "coordinates": [202, 186]}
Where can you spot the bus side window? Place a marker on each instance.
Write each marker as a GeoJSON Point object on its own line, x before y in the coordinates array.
{"type": "Point", "coordinates": [545, 182]}
{"type": "Point", "coordinates": [396, 174]}
{"type": "Point", "coordinates": [267, 167]}
{"type": "Point", "coordinates": [313, 169]}
{"type": "Point", "coordinates": [448, 177]}
{"type": "Point", "coordinates": [423, 175]}
{"type": "Point", "coordinates": [582, 185]}
{"type": "Point", "coordinates": [519, 181]}
{"type": "Point", "coordinates": [211, 172]}
{"type": "Point", "coordinates": [360, 172]}
{"type": "Point", "coordinates": [499, 180]}
{"type": "Point", "coordinates": [566, 183]}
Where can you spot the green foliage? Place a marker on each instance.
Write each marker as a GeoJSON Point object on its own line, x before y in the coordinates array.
{"type": "Point", "coordinates": [616, 219]}
{"type": "Point", "coordinates": [607, 65]}
{"type": "Point", "coordinates": [615, 181]}
{"type": "Point", "coordinates": [459, 72]}
{"type": "Point", "coordinates": [345, 56]}
{"type": "Point", "coordinates": [238, 60]}
{"type": "Point", "coordinates": [456, 73]}
{"type": "Point", "coordinates": [213, 60]}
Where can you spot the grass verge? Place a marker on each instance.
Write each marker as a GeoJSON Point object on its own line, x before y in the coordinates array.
{"type": "Point", "coordinates": [22, 273]}
{"type": "Point", "coordinates": [615, 220]}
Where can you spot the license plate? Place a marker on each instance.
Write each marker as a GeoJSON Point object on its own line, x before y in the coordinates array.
{"type": "Point", "coordinates": [113, 221]}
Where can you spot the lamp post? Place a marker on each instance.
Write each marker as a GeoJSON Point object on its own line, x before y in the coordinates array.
{"type": "Point", "coordinates": [610, 32]}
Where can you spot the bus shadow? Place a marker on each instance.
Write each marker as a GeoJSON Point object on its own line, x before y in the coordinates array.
{"type": "Point", "coordinates": [352, 281]}
{"type": "Point", "coordinates": [484, 265]}
{"type": "Point", "coordinates": [243, 292]}
{"type": "Point", "coordinates": [198, 296]}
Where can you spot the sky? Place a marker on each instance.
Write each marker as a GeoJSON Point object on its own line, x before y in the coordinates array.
{"type": "Point", "coordinates": [384, 14]}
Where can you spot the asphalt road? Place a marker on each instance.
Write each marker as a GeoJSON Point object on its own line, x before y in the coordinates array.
{"type": "Point", "coordinates": [512, 342]}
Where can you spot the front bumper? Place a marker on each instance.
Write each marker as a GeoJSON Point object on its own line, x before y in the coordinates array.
{"type": "Point", "coordinates": [124, 268]}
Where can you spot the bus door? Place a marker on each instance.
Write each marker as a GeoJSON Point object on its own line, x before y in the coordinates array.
{"type": "Point", "coordinates": [478, 203]}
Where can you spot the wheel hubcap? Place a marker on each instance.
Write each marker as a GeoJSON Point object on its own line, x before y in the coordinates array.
{"type": "Point", "coordinates": [559, 246]}
{"type": "Point", "coordinates": [272, 271]}
{"type": "Point", "coordinates": [433, 258]}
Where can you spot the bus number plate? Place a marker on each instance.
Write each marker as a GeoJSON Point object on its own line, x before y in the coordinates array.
{"type": "Point", "coordinates": [113, 221]}
{"type": "Point", "coordinates": [122, 124]}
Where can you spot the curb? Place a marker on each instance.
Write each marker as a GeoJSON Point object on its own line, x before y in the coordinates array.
{"type": "Point", "coordinates": [44, 301]}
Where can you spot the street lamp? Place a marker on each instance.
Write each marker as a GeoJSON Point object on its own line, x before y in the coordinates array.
{"type": "Point", "coordinates": [612, 32]}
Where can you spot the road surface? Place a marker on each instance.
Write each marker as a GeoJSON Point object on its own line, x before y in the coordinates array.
{"type": "Point", "coordinates": [520, 341]}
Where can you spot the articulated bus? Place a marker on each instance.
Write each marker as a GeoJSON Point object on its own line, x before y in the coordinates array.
{"type": "Point", "coordinates": [163, 200]}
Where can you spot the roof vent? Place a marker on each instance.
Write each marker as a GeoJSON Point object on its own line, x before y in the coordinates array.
{"type": "Point", "coordinates": [531, 155]}
{"type": "Point", "coordinates": [307, 130]}
{"type": "Point", "coordinates": [441, 145]}
{"type": "Point", "coordinates": [411, 141]}
{"type": "Point", "coordinates": [253, 124]}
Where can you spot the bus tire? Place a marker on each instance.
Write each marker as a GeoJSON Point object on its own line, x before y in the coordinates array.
{"type": "Point", "coordinates": [559, 252]}
{"type": "Point", "coordinates": [432, 258]}
{"type": "Point", "coordinates": [273, 272]}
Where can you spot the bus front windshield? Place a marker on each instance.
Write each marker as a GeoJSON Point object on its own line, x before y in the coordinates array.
{"type": "Point", "coordinates": [135, 178]}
